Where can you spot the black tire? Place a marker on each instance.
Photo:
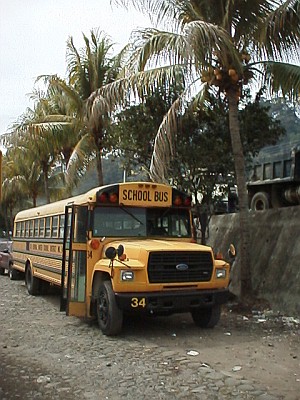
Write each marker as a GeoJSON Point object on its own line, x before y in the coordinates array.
{"type": "Point", "coordinates": [32, 283]}
{"type": "Point", "coordinates": [12, 273]}
{"type": "Point", "coordinates": [2, 271]}
{"type": "Point", "coordinates": [207, 317]}
{"type": "Point", "coordinates": [260, 202]}
{"type": "Point", "coordinates": [110, 317]}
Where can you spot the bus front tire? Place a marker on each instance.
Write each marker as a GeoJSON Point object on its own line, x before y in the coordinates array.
{"type": "Point", "coordinates": [260, 202]}
{"type": "Point", "coordinates": [207, 317]}
{"type": "Point", "coordinates": [32, 283]}
{"type": "Point", "coordinates": [110, 317]}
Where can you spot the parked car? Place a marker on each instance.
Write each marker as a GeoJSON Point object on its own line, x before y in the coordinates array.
{"type": "Point", "coordinates": [6, 260]}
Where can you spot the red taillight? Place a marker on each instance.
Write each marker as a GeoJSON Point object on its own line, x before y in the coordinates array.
{"type": "Point", "coordinates": [187, 201]}
{"type": "Point", "coordinates": [113, 198]}
{"type": "Point", "coordinates": [177, 201]}
{"type": "Point", "coordinates": [106, 197]}
{"type": "Point", "coordinates": [103, 198]}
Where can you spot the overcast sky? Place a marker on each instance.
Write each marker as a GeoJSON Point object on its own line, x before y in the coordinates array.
{"type": "Point", "coordinates": [33, 35]}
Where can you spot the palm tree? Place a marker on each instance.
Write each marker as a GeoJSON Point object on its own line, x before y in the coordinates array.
{"type": "Point", "coordinates": [89, 69]}
{"type": "Point", "coordinates": [37, 143]}
{"type": "Point", "coordinates": [216, 45]}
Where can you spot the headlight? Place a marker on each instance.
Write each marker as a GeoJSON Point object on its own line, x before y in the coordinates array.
{"type": "Point", "coordinates": [127, 275]}
{"type": "Point", "coordinates": [220, 273]}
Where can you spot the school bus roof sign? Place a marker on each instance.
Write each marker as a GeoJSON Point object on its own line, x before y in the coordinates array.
{"type": "Point", "coordinates": [145, 195]}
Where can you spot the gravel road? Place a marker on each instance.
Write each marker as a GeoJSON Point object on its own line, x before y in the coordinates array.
{"type": "Point", "coordinates": [46, 355]}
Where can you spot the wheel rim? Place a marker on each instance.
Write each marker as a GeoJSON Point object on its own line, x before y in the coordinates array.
{"type": "Point", "coordinates": [103, 308]}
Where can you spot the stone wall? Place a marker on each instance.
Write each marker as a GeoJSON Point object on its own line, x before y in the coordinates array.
{"type": "Point", "coordinates": [274, 252]}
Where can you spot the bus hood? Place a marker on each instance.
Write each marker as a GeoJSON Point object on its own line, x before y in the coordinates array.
{"type": "Point", "coordinates": [136, 249]}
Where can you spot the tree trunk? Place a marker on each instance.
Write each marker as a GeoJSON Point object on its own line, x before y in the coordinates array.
{"type": "Point", "coordinates": [46, 183]}
{"type": "Point", "coordinates": [99, 168]}
{"type": "Point", "coordinates": [239, 163]}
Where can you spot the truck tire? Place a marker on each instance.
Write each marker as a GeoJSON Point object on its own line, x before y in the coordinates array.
{"type": "Point", "coordinates": [32, 283]}
{"type": "Point", "coordinates": [110, 317]}
{"type": "Point", "coordinates": [2, 271]}
{"type": "Point", "coordinates": [260, 201]}
{"type": "Point", "coordinates": [207, 317]}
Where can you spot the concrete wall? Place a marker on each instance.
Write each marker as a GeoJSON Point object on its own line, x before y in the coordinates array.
{"type": "Point", "coordinates": [274, 252]}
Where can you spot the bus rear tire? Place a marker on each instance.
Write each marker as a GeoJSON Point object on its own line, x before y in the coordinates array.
{"type": "Point", "coordinates": [109, 316]}
{"type": "Point", "coordinates": [260, 201]}
{"type": "Point", "coordinates": [32, 283]}
{"type": "Point", "coordinates": [207, 317]}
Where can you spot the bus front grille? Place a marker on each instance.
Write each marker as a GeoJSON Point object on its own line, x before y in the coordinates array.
{"type": "Point", "coordinates": [180, 266]}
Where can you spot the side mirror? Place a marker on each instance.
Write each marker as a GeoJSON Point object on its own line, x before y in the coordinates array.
{"type": "Point", "coordinates": [120, 250]}
{"type": "Point", "coordinates": [110, 253]}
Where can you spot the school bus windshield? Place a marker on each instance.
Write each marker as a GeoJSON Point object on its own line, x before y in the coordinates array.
{"type": "Point", "coordinates": [142, 222]}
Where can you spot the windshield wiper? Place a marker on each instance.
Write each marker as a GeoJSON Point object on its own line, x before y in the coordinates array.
{"type": "Point", "coordinates": [123, 208]}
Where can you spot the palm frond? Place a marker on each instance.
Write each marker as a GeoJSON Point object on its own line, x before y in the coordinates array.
{"type": "Point", "coordinates": [70, 91]}
{"type": "Point", "coordinates": [155, 46]}
{"type": "Point", "coordinates": [161, 9]}
{"type": "Point", "coordinates": [136, 86]}
{"type": "Point", "coordinates": [283, 78]}
{"type": "Point", "coordinates": [209, 42]}
{"type": "Point", "coordinates": [164, 144]}
{"type": "Point", "coordinates": [83, 152]}
{"type": "Point", "coordinates": [280, 31]}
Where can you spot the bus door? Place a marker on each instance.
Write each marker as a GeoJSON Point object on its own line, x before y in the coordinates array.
{"type": "Point", "coordinates": [73, 279]}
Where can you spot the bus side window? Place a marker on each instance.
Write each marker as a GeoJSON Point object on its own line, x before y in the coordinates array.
{"type": "Point", "coordinates": [48, 224]}
{"type": "Point", "coordinates": [42, 227]}
{"type": "Point", "coordinates": [36, 228]}
{"type": "Point", "coordinates": [22, 229]}
{"type": "Point", "coordinates": [26, 228]}
{"type": "Point", "coordinates": [18, 229]}
{"type": "Point", "coordinates": [31, 228]}
{"type": "Point", "coordinates": [61, 226]}
{"type": "Point", "coordinates": [54, 229]}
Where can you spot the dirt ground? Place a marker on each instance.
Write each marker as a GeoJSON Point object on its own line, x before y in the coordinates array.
{"type": "Point", "coordinates": [258, 344]}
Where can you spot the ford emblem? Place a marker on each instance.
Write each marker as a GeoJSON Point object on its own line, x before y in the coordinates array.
{"type": "Point", "coordinates": [182, 267]}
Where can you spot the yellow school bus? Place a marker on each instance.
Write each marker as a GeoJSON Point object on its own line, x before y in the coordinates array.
{"type": "Point", "coordinates": [120, 248]}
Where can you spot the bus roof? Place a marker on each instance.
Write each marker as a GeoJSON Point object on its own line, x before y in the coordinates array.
{"type": "Point", "coordinates": [58, 207]}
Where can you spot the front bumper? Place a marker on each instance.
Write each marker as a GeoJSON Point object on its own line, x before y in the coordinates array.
{"type": "Point", "coordinates": [172, 302]}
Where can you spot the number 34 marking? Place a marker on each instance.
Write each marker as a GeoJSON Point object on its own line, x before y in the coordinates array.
{"type": "Point", "coordinates": [136, 302]}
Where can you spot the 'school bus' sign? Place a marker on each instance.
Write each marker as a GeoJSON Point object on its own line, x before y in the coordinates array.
{"type": "Point", "coordinates": [150, 196]}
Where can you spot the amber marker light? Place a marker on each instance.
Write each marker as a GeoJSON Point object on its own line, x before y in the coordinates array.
{"type": "Point", "coordinates": [94, 243]}
{"type": "Point", "coordinates": [219, 256]}
{"type": "Point", "coordinates": [122, 257]}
